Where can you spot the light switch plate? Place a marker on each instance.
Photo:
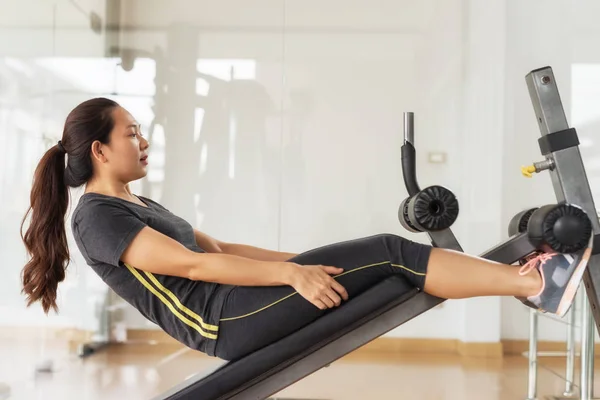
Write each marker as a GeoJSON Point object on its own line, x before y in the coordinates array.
{"type": "Point", "coordinates": [436, 157]}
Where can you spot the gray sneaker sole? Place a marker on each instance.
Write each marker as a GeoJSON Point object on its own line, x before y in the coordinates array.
{"type": "Point", "coordinates": [571, 290]}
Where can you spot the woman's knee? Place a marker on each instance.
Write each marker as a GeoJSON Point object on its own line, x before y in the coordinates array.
{"type": "Point", "coordinates": [392, 238]}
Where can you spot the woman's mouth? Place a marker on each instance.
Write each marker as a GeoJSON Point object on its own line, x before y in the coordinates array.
{"type": "Point", "coordinates": [144, 160]}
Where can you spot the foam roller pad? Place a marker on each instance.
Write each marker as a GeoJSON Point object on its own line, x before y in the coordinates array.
{"type": "Point", "coordinates": [434, 208]}
{"type": "Point", "coordinates": [564, 228]}
{"type": "Point", "coordinates": [518, 224]}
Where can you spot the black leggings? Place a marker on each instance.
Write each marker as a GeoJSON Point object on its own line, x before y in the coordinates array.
{"type": "Point", "coordinates": [254, 317]}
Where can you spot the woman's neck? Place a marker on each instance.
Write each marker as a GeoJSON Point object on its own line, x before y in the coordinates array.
{"type": "Point", "coordinates": [116, 191]}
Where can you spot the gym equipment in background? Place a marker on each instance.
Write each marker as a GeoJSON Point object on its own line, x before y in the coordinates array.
{"type": "Point", "coordinates": [380, 309]}
{"type": "Point", "coordinates": [560, 146]}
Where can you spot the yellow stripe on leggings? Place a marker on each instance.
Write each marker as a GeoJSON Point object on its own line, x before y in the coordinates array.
{"type": "Point", "coordinates": [335, 277]}
{"type": "Point", "coordinates": [264, 308]}
{"type": "Point", "coordinates": [166, 302]}
{"type": "Point", "coordinates": [408, 269]}
{"type": "Point", "coordinates": [178, 303]}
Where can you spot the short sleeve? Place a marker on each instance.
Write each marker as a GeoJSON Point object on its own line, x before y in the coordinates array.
{"type": "Point", "coordinates": [103, 230]}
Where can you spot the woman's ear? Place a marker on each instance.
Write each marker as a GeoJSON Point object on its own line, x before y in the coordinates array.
{"type": "Point", "coordinates": [97, 151]}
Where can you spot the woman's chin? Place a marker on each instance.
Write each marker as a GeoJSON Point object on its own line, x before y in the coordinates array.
{"type": "Point", "coordinates": [141, 173]}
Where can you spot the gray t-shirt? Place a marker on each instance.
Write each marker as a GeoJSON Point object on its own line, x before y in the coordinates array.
{"type": "Point", "coordinates": [189, 311]}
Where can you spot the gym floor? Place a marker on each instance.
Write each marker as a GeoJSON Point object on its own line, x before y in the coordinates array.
{"type": "Point", "coordinates": [136, 372]}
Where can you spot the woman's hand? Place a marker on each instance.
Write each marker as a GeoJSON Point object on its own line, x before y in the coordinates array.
{"type": "Point", "coordinates": [315, 284]}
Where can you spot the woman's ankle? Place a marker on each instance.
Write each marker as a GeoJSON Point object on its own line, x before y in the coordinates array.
{"type": "Point", "coordinates": [532, 283]}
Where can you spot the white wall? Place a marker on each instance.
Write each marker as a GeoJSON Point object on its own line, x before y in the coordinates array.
{"type": "Point", "coordinates": [35, 96]}
{"type": "Point", "coordinates": [337, 88]}
{"type": "Point", "coordinates": [310, 126]}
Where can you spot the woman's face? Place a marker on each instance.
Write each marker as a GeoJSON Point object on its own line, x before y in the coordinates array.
{"type": "Point", "coordinates": [127, 148]}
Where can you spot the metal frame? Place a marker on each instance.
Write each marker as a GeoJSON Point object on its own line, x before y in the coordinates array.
{"type": "Point", "coordinates": [570, 184]}
{"type": "Point", "coordinates": [570, 353]}
{"type": "Point", "coordinates": [444, 238]}
{"type": "Point", "coordinates": [570, 367]}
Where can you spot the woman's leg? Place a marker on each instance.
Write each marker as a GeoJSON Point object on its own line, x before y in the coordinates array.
{"type": "Point", "coordinates": [454, 275]}
{"type": "Point", "coordinates": [253, 317]}
{"type": "Point", "coordinates": [548, 282]}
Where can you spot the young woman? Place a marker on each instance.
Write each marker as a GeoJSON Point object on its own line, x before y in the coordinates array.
{"type": "Point", "coordinates": [228, 299]}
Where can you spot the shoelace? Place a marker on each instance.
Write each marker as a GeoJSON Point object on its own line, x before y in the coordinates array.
{"type": "Point", "coordinates": [531, 264]}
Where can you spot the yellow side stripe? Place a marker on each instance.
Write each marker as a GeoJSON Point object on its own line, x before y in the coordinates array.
{"type": "Point", "coordinates": [178, 303]}
{"type": "Point", "coordinates": [166, 302]}
{"type": "Point", "coordinates": [264, 308]}
{"type": "Point", "coordinates": [359, 268]}
{"type": "Point", "coordinates": [408, 269]}
{"type": "Point", "coordinates": [335, 277]}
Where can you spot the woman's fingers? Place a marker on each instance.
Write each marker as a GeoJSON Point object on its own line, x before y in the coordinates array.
{"type": "Point", "coordinates": [326, 300]}
{"type": "Point", "coordinates": [332, 270]}
{"type": "Point", "coordinates": [333, 297]}
{"type": "Point", "coordinates": [335, 285]}
{"type": "Point", "coordinates": [319, 286]}
{"type": "Point", "coordinates": [319, 304]}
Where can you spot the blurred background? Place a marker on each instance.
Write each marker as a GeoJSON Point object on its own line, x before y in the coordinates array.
{"type": "Point", "coordinates": [278, 123]}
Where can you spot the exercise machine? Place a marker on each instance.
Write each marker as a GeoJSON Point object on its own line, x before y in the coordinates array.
{"type": "Point", "coordinates": [564, 226]}
{"type": "Point", "coordinates": [559, 144]}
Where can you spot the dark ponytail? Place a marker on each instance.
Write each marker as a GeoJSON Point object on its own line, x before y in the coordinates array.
{"type": "Point", "coordinates": [46, 239]}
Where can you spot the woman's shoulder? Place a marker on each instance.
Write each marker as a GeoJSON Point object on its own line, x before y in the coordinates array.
{"type": "Point", "coordinates": [97, 205]}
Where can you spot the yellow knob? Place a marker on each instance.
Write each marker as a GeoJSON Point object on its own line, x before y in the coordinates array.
{"type": "Point", "coordinates": [528, 171]}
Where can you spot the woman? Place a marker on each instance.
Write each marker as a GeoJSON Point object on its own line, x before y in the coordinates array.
{"type": "Point", "coordinates": [221, 298]}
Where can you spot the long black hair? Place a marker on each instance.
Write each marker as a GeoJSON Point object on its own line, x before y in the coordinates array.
{"type": "Point", "coordinates": [46, 239]}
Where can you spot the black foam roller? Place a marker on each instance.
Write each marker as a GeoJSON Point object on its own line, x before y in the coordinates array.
{"type": "Point", "coordinates": [565, 228]}
{"type": "Point", "coordinates": [518, 224]}
{"type": "Point", "coordinates": [434, 208]}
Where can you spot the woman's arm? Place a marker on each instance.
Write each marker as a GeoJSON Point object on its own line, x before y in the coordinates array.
{"type": "Point", "coordinates": [212, 245]}
{"type": "Point", "coordinates": [155, 252]}
{"type": "Point", "coordinates": [255, 253]}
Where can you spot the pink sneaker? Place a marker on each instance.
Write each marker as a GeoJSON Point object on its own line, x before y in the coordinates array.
{"type": "Point", "coordinates": [561, 275]}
